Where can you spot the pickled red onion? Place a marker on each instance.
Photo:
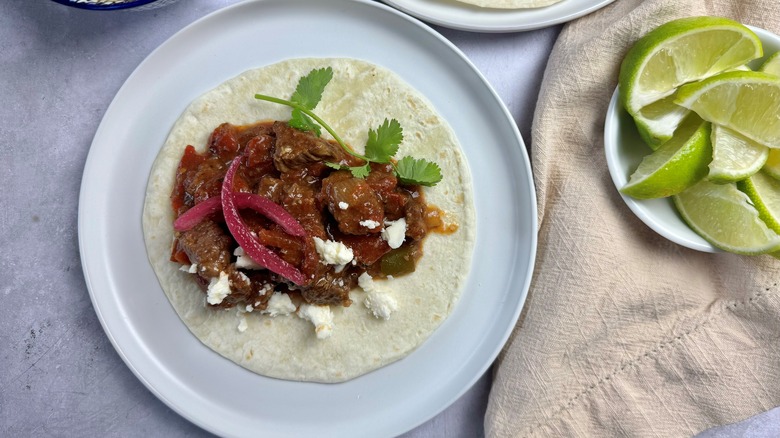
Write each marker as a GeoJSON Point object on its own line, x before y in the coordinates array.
{"type": "Point", "coordinates": [260, 204]}
{"type": "Point", "coordinates": [243, 236]}
{"type": "Point", "coordinates": [271, 210]}
{"type": "Point", "coordinates": [197, 213]}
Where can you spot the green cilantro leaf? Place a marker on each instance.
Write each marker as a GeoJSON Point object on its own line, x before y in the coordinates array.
{"type": "Point", "coordinates": [302, 122]}
{"type": "Point", "coordinates": [383, 143]}
{"type": "Point", "coordinates": [360, 171]}
{"type": "Point", "coordinates": [418, 171]}
{"type": "Point", "coordinates": [310, 87]}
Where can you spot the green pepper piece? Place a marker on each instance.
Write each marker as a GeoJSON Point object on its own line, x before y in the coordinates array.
{"type": "Point", "coordinates": [399, 261]}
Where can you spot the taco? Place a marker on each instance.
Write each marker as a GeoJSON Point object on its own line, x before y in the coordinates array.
{"type": "Point", "coordinates": [336, 299]}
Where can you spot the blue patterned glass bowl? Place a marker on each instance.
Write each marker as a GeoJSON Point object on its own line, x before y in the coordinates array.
{"type": "Point", "coordinates": [113, 5]}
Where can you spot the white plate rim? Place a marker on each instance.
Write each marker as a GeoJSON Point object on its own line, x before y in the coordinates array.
{"type": "Point", "coordinates": [471, 18]}
{"type": "Point", "coordinates": [115, 319]}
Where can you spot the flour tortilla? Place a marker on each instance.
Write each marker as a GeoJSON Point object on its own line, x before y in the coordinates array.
{"type": "Point", "coordinates": [510, 4]}
{"type": "Point", "coordinates": [359, 97]}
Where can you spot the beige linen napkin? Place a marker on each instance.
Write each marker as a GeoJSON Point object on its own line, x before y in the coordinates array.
{"type": "Point", "coordinates": [625, 333]}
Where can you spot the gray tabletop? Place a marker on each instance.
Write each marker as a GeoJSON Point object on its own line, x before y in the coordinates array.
{"type": "Point", "coordinates": [59, 69]}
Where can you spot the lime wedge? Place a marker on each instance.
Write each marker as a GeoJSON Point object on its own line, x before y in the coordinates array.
{"type": "Point", "coordinates": [772, 165]}
{"type": "Point", "coordinates": [683, 51]}
{"type": "Point", "coordinates": [676, 165]}
{"type": "Point", "coordinates": [657, 122]}
{"type": "Point", "coordinates": [746, 102]}
{"type": "Point", "coordinates": [764, 192]}
{"type": "Point", "coordinates": [734, 157]}
{"type": "Point", "coordinates": [725, 217]}
{"type": "Point", "coordinates": [771, 65]}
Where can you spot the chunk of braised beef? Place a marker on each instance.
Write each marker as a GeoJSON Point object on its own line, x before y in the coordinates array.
{"type": "Point", "coordinates": [394, 197]}
{"type": "Point", "coordinates": [223, 141]}
{"type": "Point", "coordinates": [262, 288]}
{"type": "Point", "coordinates": [289, 248]}
{"type": "Point", "coordinates": [415, 219]}
{"type": "Point", "coordinates": [248, 132]}
{"type": "Point", "coordinates": [304, 175]}
{"type": "Point", "coordinates": [329, 288]}
{"type": "Point", "coordinates": [190, 161]}
{"type": "Point", "coordinates": [299, 200]}
{"type": "Point", "coordinates": [395, 205]}
{"type": "Point", "coordinates": [271, 188]}
{"type": "Point", "coordinates": [367, 249]}
{"type": "Point", "coordinates": [311, 260]}
{"type": "Point", "coordinates": [207, 245]}
{"type": "Point", "coordinates": [259, 157]}
{"type": "Point", "coordinates": [295, 149]}
{"type": "Point", "coordinates": [204, 181]}
{"type": "Point", "coordinates": [255, 221]}
{"type": "Point", "coordinates": [353, 203]}
{"type": "Point", "coordinates": [382, 179]}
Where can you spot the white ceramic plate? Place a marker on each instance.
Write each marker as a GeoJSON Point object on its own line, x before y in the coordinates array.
{"type": "Point", "coordinates": [625, 150]}
{"type": "Point", "coordinates": [217, 394]}
{"type": "Point", "coordinates": [463, 16]}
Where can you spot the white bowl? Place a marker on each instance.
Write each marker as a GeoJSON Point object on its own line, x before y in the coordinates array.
{"type": "Point", "coordinates": [625, 149]}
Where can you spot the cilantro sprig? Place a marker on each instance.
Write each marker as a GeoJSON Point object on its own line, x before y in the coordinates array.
{"type": "Point", "coordinates": [382, 144]}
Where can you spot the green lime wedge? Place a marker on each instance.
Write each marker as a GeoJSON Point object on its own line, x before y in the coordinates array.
{"type": "Point", "coordinates": [682, 51]}
{"type": "Point", "coordinates": [764, 192]}
{"type": "Point", "coordinates": [657, 122]}
{"type": "Point", "coordinates": [676, 165]}
{"type": "Point", "coordinates": [734, 157]}
{"type": "Point", "coordinates": [725, 217]}
{"type": "Point", "coordinates": [771, 65]}
{"type": "Point", "coordinates": [746, 102]}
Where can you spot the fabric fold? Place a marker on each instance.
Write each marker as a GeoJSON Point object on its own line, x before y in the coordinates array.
{"type": "Point", "coordinates": [624, 332]}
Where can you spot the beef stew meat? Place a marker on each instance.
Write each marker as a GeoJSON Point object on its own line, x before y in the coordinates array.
{"type": "Point", "coordinates": [288, 167]}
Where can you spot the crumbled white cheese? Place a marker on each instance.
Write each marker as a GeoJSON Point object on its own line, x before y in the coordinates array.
{"type": "Point", "coordinates": [192, 269]}
{"type": "Point", "coordinates": [394, 233]}
{"type": "Point", "coordinates": [279, 304]}
{"type": "Point", "coordinates": [380, 303]}
{"type": "Point", "coordinates": [250, 308]}
{"type": "Point", "coordinates": [265, 289]}
{"type": "Point", "coordinates": [243, 260]}
{"type": "Point", "coordinates": [366, 282]}
{"type": "Point", "coordinates": [343, 205]}
{"type": "Point", "coordinates": [333, 253]}
{"type": "Point", "coordinates": [415, 195]}
{"type": "Point", "coordinates": [368, 223]}
{"type": "Point", "coordinates": [320, 316]}
{"type": "Point", "coordinates": [218, 289]}
{"type": "Point", "coordinates": [242, 325]}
